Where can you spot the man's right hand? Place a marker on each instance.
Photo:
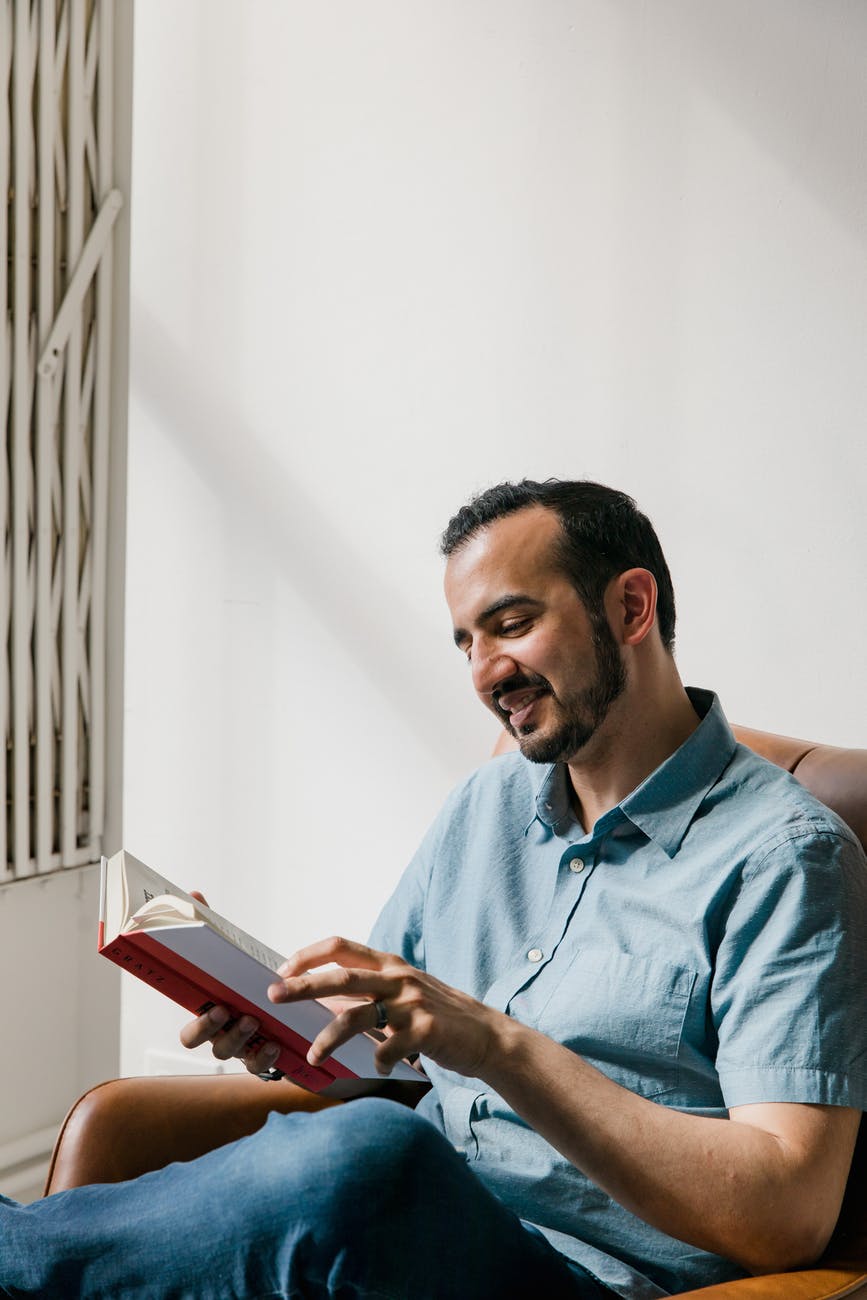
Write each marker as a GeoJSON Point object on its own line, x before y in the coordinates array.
{"type": "Point", "coordinates": [229, 1037]}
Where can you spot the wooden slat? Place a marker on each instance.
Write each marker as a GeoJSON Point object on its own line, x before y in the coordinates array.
{"type": "Point", "coordinates": [45, 406]}
{"type": "Point", "coordinates": [6, 346]}
{"type": "Point", "coordinates": [101, 439]}
{"type": "Point", "coordinates": [75, 234]}
{"type": "Point", "coordinates": [22, 390]}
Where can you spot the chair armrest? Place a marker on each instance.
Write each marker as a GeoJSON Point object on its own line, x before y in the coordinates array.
{"type": "Point", "coordinates": [128, 1127]}
{"type": "Point", "coordinates": [811, 1284]}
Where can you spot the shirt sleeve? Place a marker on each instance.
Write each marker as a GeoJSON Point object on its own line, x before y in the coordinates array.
{"type": "Point", "coordinates": [791, 970]}
{"type": "Point", "coordinates": [399, 928]}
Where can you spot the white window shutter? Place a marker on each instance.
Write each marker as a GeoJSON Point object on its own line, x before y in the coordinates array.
{"type": "Point", "coordinates": [57, 154]}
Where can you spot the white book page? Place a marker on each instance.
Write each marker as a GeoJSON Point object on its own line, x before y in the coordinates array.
{"type": "Point", "coordinates": [131, 885]}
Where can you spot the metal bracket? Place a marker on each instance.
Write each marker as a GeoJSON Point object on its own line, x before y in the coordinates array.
{"type": "Point", "coordinates": [76, 289]}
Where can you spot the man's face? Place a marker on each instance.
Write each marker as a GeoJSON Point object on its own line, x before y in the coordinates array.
{"type": "Point", "coordinates": [547, 668]}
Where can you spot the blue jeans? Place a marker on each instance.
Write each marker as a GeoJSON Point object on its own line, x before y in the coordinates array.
{"type": "Point", "coordinates": [362, 1202]}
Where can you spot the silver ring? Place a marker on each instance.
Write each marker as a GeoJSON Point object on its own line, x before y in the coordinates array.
{"type": "Point", "coordinates": [271, 1076]}
{"type": "Point", "coordinates": [381, 1015]}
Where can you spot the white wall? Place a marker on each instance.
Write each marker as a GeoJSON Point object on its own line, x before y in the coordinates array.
{"type": "Point", "coordinates": [62, 1011]}
{"type": "Point", "coordinates": [387, 253]}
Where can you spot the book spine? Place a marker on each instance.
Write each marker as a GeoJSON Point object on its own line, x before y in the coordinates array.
{"type": "Point", "coordinates": [103, 889]}
{"type": "Point", "coordinates": [197, 991]}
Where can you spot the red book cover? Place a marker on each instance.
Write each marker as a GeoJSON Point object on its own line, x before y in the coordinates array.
{"type": "Point", "coordinates": [196, 991]}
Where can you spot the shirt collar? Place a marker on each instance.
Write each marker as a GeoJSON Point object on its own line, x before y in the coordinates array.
{"type": "Point", "coordinates": [666, 801]}
{"type": "Point", "coordinates": [552, 796]}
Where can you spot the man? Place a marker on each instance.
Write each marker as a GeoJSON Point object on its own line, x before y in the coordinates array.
{"type": "Point", "coordinates": [630, 956]}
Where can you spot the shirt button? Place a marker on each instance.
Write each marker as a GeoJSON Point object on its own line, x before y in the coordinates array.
{"type": "Point", "coordinates": [576, 865]}
{"type": "Point", "coordinates": [535, 954]}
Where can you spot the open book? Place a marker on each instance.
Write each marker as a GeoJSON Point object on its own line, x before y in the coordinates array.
{"type": "Point", "coordinates": [197, 958]}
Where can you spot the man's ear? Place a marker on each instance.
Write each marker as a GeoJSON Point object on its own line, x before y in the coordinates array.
{"type": "Point", "coordinates": [631, 602]}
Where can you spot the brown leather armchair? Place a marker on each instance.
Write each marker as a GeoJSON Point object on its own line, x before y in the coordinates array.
{"type": "Point", "coordinates": [128, 1126]}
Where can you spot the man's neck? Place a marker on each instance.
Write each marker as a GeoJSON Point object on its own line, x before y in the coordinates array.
{"type": "Point", "coordinates": [634, 740]}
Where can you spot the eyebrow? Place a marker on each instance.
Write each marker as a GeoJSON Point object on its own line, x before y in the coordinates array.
{"type": "Point", "coordinates": [508, 601]}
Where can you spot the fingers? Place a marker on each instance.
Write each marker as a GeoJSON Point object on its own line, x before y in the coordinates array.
{"type": "Point", "coordinates": [229, 1037]}
{"type": "Point", "coordinates": [396, 1047]}
{"type": "Point", "coordinates": [344, 952]}
{"type": "Point", "coordinates": [234, 1039]}
{"type": "Point", "coordinates": [333, 968]}
{"type": "Point", "coordinates": [332, 981]}
{"type": "Point", "coordinates": [396, 1043]}
{"type": "Point", "coordinates": [355, 972]}
{"type": "Point", "coordinates": [204, 1027]}
{"type": "Point", "coordinates": [356, 1020]}
{"type": "Point", "coordinates": [262, 1059]}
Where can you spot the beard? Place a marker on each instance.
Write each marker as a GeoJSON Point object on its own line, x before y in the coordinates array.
{"type": "Point", "coordinates": [580, 714]}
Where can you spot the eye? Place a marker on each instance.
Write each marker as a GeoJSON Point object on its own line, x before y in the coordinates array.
{"type": "Point", "coordinates": [515, 626]}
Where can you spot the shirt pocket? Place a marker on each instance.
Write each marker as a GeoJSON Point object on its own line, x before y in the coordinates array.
{"type": "Point", "coordinates": [622, 1013]}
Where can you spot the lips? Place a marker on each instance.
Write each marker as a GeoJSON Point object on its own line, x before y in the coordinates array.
{"type": "Point", "coordinates": [518, 704]}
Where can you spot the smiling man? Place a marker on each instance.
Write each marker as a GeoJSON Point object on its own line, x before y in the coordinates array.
{"type": "Point", "coordinates": [629, 953]}
{"type": "Point", "coordinates": [655, 926]}
{"type": "Point", "coordinates": [548, 624]}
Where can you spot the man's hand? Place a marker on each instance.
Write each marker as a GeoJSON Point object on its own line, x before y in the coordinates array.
{"type": "Point", "coordinates": [424, 1015]}
{"type": "Point", "coordinates": [228, 1035]}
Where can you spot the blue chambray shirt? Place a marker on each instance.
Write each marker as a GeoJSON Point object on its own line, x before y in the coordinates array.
{"type": "Point", "coordinates": [703, 946]}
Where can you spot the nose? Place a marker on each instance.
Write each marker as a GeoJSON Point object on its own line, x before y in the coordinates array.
{"type": "Point", "coordinates": [490, 666]}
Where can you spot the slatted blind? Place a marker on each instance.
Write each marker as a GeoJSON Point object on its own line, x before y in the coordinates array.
{"type": "Point", "coordinates": [56, 154]}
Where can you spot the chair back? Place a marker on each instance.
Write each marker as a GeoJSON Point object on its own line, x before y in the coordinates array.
{"type": "Point", "coordinates": [833, 774]}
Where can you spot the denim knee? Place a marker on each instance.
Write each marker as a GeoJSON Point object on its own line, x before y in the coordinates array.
{"type": "Point", "coordinates": [368, 1144]}
{"type": "Point", "coordinates": [337, 1189]}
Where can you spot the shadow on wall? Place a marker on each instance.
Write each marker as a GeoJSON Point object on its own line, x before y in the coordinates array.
{"type": "Point", "coordinates": [322, 564]}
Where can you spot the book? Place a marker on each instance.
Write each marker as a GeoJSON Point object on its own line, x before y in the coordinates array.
{"type": "Point", "coordinates": [199, 959]}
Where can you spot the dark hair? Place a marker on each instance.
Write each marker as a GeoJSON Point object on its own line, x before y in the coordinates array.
{"type": "Point", "coordinates": [604, 533]}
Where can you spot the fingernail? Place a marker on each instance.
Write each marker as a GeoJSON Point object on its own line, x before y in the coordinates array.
{"type": "Point", "coordinates": [246, 1024]}
{"type": "Point", "coordinates": [218, 1016]}
{"type": "Point", "coordinates": [270, 1053]}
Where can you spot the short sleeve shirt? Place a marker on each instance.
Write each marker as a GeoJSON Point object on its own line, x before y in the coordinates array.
{"type": "Point", "coordinates": [703, 946]}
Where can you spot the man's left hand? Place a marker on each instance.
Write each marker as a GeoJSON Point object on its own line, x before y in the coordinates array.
{"type": "Point", "coordinates": [424, 1015]}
